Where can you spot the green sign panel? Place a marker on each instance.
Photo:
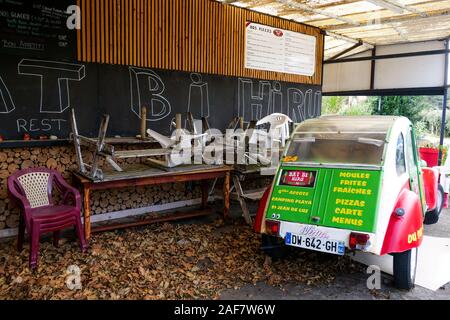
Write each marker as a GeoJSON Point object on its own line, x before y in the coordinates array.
{"type": "Point", "coordinates": [337, 198]}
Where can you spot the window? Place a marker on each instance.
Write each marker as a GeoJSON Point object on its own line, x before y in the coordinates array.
{"type": "Point", "coordinates": [400, 163]}
{"type": "Point", "coordinates": [334, 148]}
{"type": "Point", "coordinates": [412, 167]}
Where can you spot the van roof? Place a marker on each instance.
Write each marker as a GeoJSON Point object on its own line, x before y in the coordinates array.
{"type": "Point", "coordinates": [348, 124]}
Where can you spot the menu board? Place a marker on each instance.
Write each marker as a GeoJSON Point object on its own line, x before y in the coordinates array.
{"type": "Point", "coordinates": [340, 198]}
{"type": "Point", "coordinates": [36, 28]}
{"type": "Point", "coordinates": [272, 49]}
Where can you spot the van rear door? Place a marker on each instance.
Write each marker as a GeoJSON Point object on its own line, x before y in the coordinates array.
{"type": "Point", "coordinates": [343, 198]}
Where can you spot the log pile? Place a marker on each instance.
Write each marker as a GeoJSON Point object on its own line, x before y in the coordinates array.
{"type": "Point", "coordinates": [63, 159]}
{"type": "Point", "coordinates": [139, 197]}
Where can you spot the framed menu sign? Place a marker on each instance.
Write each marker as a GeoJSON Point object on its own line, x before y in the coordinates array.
{"type": "Point", "coordinates": [37, 28]}
{"type": "Point", "coordinates": [278, 50]}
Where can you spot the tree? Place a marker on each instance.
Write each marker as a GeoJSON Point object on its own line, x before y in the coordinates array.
{"type": "Point", "coordinates": [346, 106]}
{"type": "Point", "coordinates": [333, 105]}
{"type": "Point", "coordinates": [407, 106]}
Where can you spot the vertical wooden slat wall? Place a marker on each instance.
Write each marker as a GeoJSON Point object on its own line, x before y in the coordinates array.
{"type": "Point", "coordinates": [186, 35]}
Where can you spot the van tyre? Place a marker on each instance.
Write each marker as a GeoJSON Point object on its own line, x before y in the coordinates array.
{"type": "Point", "coordinates": [432, 217]}
{"type": "Point", "coordinates": [274, 247]}
{"type": "Point", "coordinates": [405, 266]}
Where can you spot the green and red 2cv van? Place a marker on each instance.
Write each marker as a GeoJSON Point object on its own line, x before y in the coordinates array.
{"type": "Point", "coordinates": [352, 183]}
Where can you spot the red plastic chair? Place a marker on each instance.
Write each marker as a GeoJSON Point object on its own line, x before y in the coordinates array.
{"type": "Point", "coordinates": [32, 189]}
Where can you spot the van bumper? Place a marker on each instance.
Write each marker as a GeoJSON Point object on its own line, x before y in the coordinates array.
{"type": "Point", "coordinates": [325, 233]}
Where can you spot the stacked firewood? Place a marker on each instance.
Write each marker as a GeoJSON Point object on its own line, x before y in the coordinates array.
{"type": "Point", "coordinates": [63, 159]}
{"type": "Point", "coordinates": [139, 197]}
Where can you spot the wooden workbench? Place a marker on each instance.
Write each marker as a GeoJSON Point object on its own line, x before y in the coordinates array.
{"type": "Point", "coordinates": [143, 175]}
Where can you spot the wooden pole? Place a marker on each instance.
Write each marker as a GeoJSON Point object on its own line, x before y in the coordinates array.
{"type": "Point", "coordinates": [178, 121]}
{"type": "Point", "coordinates": [87, 213]}
{"type": "Point", "coordinates": [143, 122]}
{"type": "Point", "coordinates": [178, 125]}
{"type": "Point", "coordinates": [241, 122]}
{"type": "Point", "coordinates": [226, 196]}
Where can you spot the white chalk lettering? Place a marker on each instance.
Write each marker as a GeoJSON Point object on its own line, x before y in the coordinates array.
{"type": "Point", "coordinates": [39, 125]}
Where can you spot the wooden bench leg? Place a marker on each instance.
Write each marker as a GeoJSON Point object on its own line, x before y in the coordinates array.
{"type": "Point", "coordinates": [226, 196]}
{"type": "Point", "coordinates": [204, 194]}
{"type": "Point", "coordinates": [87, 213]}
{"type": "Point", "coordinates": [240, 195]}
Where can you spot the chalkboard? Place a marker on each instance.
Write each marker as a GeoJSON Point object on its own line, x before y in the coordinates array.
{"type": "Point", "coordinates": [36, 96]}
{"type": "Point", "coordinates": [37, 28]}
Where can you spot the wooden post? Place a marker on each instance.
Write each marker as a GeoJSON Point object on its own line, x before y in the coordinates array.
{"type": "Point", "coordinates": [178, 125]}
{"type": "Point", "coordinates": [240, 195]}
{"type": "Point", "coordinates": [87, 212]}
{"type": "Point", "coordinates": [205, 194]}
{"type": "Point", "coordinates": [76, 141]}
{"type": "Point", "coordinates": [178, 121]}
{"type": "Point", "coordinates": [226, 195]}
{"type": "Point", "coordinates": [100, 146]}
{"type": "Point", "coordinates": [191, 122]}
{"type": "Point", "coordinates": [143, 122]}
{"type": "Point", "coordinates": [241, 123]}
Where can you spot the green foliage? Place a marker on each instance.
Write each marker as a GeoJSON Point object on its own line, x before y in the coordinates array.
{"type": "Point", "coordinates": [425, 112]}
{"type": "Point", "coordinates": [421, 128]}
{"type": "Point", "coordinates": [359, 109]}
{"type": "Point", "coordinates": [333, 105]}
{"type": "Point", "coordinates": [342, 106]}
{"type": "Point", "coordinates": [410, 107]}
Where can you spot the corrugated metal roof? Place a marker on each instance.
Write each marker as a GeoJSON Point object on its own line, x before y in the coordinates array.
{"type": "Point", "coordinates": [375, 22]}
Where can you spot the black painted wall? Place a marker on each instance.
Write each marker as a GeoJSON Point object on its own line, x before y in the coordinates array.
{"type": "Point", "coordinates": [36, 96]}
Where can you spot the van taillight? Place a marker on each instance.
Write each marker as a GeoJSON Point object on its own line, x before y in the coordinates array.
{"type": "Point", "coordinates": [359, 241]}
{"type": "Point", "coordinates": [272, 227]}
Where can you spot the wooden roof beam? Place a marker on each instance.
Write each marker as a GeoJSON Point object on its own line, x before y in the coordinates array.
{"type": "Point", "coordinates": [306, 8]}
{"type": "Point", "coordinates": [395, 19]}
{"type": "Point", "coordinates": [228, 1]}
{"type": "Point", "coordinates": [396, 6]}
{"type": "Point", "coordinates": [348, 39]}
{"type": "Point", "coordinates": [345, 51]}
{"type": "Point", "coordinates": [260, 4]}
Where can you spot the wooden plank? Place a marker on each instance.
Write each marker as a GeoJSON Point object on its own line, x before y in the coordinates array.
{"type": "Point", "coordinates": [186, 35]}
{"type": "Point", "coordinates": [134, 56]}
{"type": "Point", "coordinates": [107, 30]}
{"type": "Point", "coordinates": [153, 176]}
{"type": "Point", "coordinates": [88, 32]}
{"type": "Point", "coordinates": [79, 46]}
{"type": "Point", "coordinates": [87, 212]}
{"type": "Point", "coordinates": [97, 23]}
{"type": "Point", "coordinates": [140, 153]}
{"type": "Point", "coordinates": [103, 43]}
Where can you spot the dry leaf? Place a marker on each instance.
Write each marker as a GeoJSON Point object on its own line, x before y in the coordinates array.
{"type": "Point", "coordinates": [168, 261]}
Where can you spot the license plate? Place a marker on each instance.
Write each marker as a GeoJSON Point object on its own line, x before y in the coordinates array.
{"type": "Point", "coordinates": [322, 245]}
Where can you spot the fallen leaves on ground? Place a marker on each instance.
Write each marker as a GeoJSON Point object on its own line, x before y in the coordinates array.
{"type": "Point", "coordinates": [168, 261]}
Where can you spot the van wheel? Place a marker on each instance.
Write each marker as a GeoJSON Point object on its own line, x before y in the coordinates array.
{"type": "Point", "coordinates": [405, 265]}
{"type": "Point", "coordinates": [432, 217]}
{"type": "Point", "coordinates": [274, 247]}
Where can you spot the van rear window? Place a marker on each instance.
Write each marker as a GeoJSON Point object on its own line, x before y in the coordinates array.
{"type": "Point", "coordinates": [338, 148]}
